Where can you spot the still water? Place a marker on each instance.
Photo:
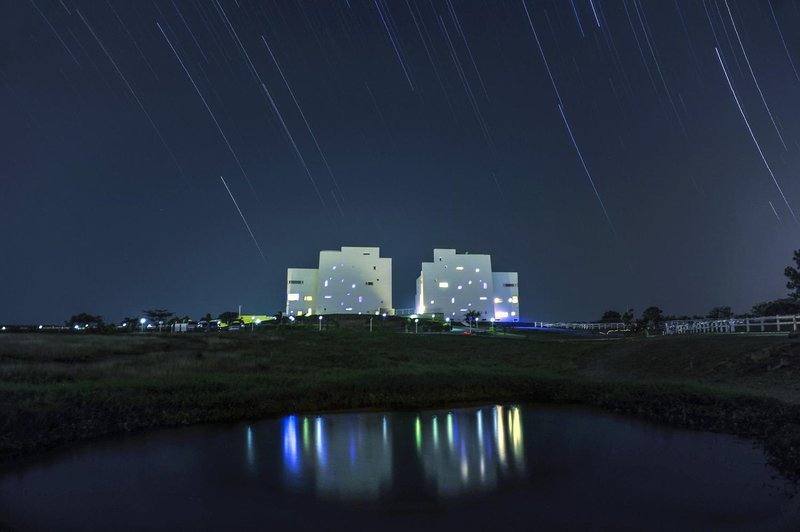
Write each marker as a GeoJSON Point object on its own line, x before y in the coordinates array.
{"type": "Point", "coordinates": [485, 468]}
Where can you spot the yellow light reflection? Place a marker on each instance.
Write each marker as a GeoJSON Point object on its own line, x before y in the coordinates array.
{"type": "Point", "coordinates": [500, 435]}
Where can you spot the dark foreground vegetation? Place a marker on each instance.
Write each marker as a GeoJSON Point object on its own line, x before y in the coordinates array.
{"type": "Point", "coordinates": [60, 388]}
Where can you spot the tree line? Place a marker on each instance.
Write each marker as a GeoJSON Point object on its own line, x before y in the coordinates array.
{"type": "Point", "coordinates": [653, 317]}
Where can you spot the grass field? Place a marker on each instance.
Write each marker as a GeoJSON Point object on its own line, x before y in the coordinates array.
{"type": "Point", "coordinates": [58, 388]}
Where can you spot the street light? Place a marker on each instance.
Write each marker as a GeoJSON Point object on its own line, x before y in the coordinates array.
{"type": "Point", "coordinates": [370, 324]}
{"type": "Point", "coordinates": [320, 323]}
{"type": "Point", "coordinates": [416, 325]}
{"type": "Point", "coordinates": [492, 320]}
{"type": "Point", "coordinates": [142, 321]}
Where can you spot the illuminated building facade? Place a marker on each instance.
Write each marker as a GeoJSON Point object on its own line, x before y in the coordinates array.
{"type": "Point", "coordinates": [454, 284]}
{"type": "Point", "coordinates": [354, 280]}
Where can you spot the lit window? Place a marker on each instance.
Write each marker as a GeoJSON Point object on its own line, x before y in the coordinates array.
{"type": "Point", "coordinates": [463, 310]}
{"type": "Point", "coordinates": [460, 287]}
{"type": "Point", "coordinates": [328, 297]}
{"type": "Point", "coordinates": [360, 299]}
{"type": "Point", "coordinates": [293, 297]}
{"type": "Point", "coordinates": [483, 298]}
{"type": "Point", "coordinates": [308, 298]}
{"type": "Point", "coordinates": [459, 268]}
{"type": "Point", "coordinates": [513, 313]}
{"type": "Point", "coordinates": [513, 299]}
{"type": "Point", "coordinates": [334, 268]}
{"type": "Point", "coordinates": [326, 283]}
{"type": "Point", "coordinates": [485, 286]}
{"type": "Point", "coordinates": [477, 270]}
{"type": "Point", "coordinates": [299, 312]}
{"type": "Point", "coordinates": [432, 301]}
{"type": "Point", "coordinates": [349, 308]}
{"type": "Point", "coordinates": [469, 282]}
{"type": "Point", "coordinates": [452, 300]}
{"type": "Point", "coordinates": [500, 315]}
{"type": "Point", "coordinates": [498, 300]}
{"type": "Point", "coordinates": [309, 312]}
{"type": "Point", "coordinates": [444, 284]}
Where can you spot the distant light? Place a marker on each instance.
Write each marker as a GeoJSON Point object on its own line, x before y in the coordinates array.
{"type": "Point", "coordinates": [477, 270]}
{"type": "Point", "coordinates": [142, 320]}
{"type": "Point", "coordinates": [459, 268]}
{"type": "Point", "coordinates": [40, 326]}
{"type": "Point", "coordinates": [258, 322]}
{"type": "Point", "coordinates": [4, 328]}
{"type": "Point", "coordinates": [384, 314]}
{"type": "Point", "coordinates": [447, 319]}
{"type": "Point", "coordinates": [291, 318]}
{"type": "Point", "coordinates": [320, 318]}
{"type": "Point", "coordinates": [413, 316]}
{"type": "Point", "coordinates": [416, 320]}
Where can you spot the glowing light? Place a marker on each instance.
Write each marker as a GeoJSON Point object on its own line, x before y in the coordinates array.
{"type": "Point", "coordinates": [418, 433]}
{"type": "Point", "coordinates": [459, 268]}
{"type": "Point", "coordinates": [498, 300]}
{"type": "Point", "coordinates": [485, 286]}
{"type": "Point", "coordinates": [435, 424]}
{"type": "Point", "coordinates": [483, 298]}
{"type": "Point", "coordinates": [513, 299]}
{"type": "Point", "coordinates": [477, 270]}
{"type": "Point", "coordinates": [460, 287]}
{"type": "Point", "coordinates": [326, 283]}
{"type": "Point", "coordinates": [322, 457]}
{"type": "Point", "coordinates": [500, 314]}
{"type": "Point", "coordinates": [500, 434]}
{"type": "Point", "coordinates": [305, 434]}
{"type": "Point", "coordinates": [293, 297]}
{"type": "Point", "coordinates": [444, 284]}
{"type": "Point", "coordinates": [450, 430]}
{"type": "Point", "coordinates": [290, 455]}
{"type": "Point", "coordinates": [308, 298]}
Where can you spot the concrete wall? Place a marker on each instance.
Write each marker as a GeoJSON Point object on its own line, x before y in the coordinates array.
{"type": "Point", "coordinates": [455, 283]}
{"type": "Point", "coordinates": [301, 291]}
{"type": "Point", "coordinates": [506, 296]}
{"type": "Point", "coordinates": [354, 280]}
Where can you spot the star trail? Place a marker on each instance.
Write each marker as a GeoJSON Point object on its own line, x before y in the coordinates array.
{"type": "Point", "coordinates": [617, 154]}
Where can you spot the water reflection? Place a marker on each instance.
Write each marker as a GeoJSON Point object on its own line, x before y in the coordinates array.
{"type": "Point", "coordinates": [357, 456]}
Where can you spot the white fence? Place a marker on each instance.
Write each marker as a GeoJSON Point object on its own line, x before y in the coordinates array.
{"type": "Point", "coordinates": [584, 326]}
{"type": "Point", "coordinates": [761, 324]}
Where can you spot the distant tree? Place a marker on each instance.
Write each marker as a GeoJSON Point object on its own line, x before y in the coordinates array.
{"type": "Point", "coordinates": [228, 316]}
{"type": "Point", "coordinates": [207, 317]}
{"type": "Point", "coordinates": [611, 316]}
{"type": "Point", "coordinates": [472, 315]}
{"type": "Point", "coordinates": [777, 307]}
{"type": "Point", "coordinates": [130, 323]}
{"type": "Point", "coordinates": [84, 320]}
{"type": "Point", "coordinates": [627, 317]}
{"type": "Point", "coordinates": [652, 318]}
{"type": "Point", "coordinates": [158, 314]}
{"type": "Point", "coordinates": [793, 274]}
{"type": "Point", "coordinates": [720, 313]}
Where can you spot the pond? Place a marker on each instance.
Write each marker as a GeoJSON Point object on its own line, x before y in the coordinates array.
{"type": "Point", "coordinates": [511, 466]}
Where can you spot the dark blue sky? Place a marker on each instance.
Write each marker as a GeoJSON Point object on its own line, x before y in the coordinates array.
{"type": "Point", "coordinates": [437, 124]}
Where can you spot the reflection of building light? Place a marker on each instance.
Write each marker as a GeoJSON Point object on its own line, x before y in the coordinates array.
{"type": "Point", "coordinates": [435, 423]}
{"type": "Point", "coordinates": [320, 444]}
{"type": "Point", "coordinates": [500, 434]}
{"type": "Point", "coordinates": [305, 434]}
{"type": "Point", "coordinates": [516, 437]}
{"type": "Point", "coordinates": [480, 430]}
{"type": "Point", "coordinates": [464, 464]}
{"type": "Point", "coordinates": [450, 430]}
{"type": "Point", "coordinates": [418, 433]}
{"type": "Point", "coordinates": [385, 434]}
{"type": "Point", "coordinates": [290, 456]}
{"type": "Point", "coordinates": [251, 453]}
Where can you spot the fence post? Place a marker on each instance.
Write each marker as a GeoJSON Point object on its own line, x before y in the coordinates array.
{"type": "Point", "coordinates": [794, 322]}
{"type": "Point", "coordinates": [777, 323]}
{"type": "Point", "coordinates": [762, 323]}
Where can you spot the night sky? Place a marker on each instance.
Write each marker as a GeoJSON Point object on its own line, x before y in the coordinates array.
{"type": "Point", "coordinates": [615, 153]}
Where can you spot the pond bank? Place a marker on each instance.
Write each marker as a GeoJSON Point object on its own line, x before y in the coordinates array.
{"type": "Point", "coordinates": [58, 389]}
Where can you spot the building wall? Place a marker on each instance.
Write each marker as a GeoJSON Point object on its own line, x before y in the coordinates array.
{"type": "Point", "coordinates": [301, 291]}
{"type": "Point", "coordinates": [506, 296]}
{"type": "Point", "coordinates": [455, 283]}
{"type": "Point", "coordinates": [350, 281]}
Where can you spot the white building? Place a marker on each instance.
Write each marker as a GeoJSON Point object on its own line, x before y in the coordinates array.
{"type": "Point", "coordinates": [355, 280]}
{"type": "Point", "coordinates": [453, 284]}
